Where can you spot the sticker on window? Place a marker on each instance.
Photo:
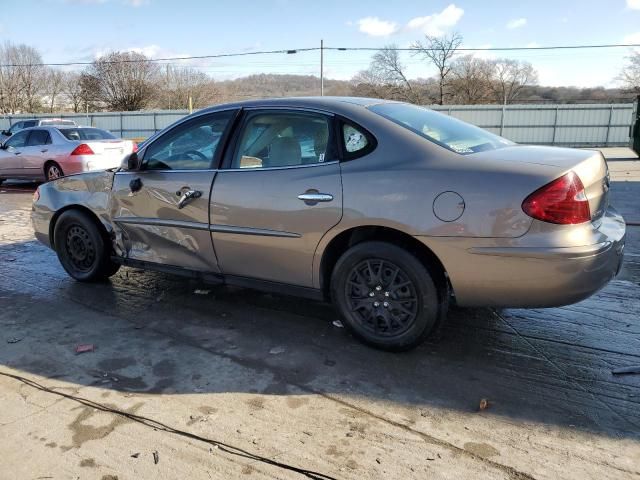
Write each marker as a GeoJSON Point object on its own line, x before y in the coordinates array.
{"type": "Point", "coordinates": [354, 140]}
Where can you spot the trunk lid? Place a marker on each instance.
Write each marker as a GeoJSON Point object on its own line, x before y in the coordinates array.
{"type": "Point", "coordinates": [589, 165]}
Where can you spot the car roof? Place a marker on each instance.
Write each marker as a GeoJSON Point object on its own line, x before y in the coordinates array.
{"type": "Point", "coordinates": [328, 103]}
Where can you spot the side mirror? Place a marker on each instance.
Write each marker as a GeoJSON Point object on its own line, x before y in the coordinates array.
{"type": "Point", "coordinates": [6, 133]}
{"type": "Point", "coordinates": [3, 146]}
{"type": "Point", "coordinates": [132, 162]}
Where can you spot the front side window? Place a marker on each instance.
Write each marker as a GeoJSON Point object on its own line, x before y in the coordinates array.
{"type": "Point", "coordinates": [283, 140]}
{"type": "Point", "coordinates": [448, 132]}
{"type": "Point", "coordinates": [191, 146]}
{"type": "Point", "coordinates": [38, 137]}
{"type": "Point", "coordinates": [18, 140]}
{"type": "Point", "coordinates": [15, 127]}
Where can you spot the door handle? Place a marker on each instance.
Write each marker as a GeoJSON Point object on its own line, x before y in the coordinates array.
{"type": "Point", "coordinates": [312, 197]}
{"type": "Point", "coordinates": [187, 196]}
{"type": "Point", "coordinates": [17, 153]}
{"type": "Point", "coordinates": [44, 151]}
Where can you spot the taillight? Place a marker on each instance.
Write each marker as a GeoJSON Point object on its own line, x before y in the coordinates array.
{"type": "Point", "coordinates": [135, 147]}
{"type": "Point", "coordinates": [82, 149]}
{"type": "Point", "coordinates": [562, 201]}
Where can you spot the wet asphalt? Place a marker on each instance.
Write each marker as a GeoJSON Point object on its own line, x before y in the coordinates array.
{"type": "Point", "coordinates": [546, 367]}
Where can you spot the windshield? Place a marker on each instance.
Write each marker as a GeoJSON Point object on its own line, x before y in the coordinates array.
{"type": "Point", "coordinates": [86, 134]}
{"type": "Point", "coordinates": [443, 130]}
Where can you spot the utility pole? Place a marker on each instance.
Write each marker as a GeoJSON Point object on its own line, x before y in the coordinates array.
{"type": "Point", "coordinates": [321, 68]}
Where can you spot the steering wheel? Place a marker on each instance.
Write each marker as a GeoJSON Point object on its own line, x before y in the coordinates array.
{"type": "Point", "coordinates": [196, 153]}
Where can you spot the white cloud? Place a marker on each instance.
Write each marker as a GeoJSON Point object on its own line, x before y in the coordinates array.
{"type": "Point", "coordinates": [377, 28]}
{"type": "Point", "coordinates": [633, 4]}
{"type": "Point", "coordinates": [437, 23]}
{"type": "Point", "coordinates": [516, 23]}
{"type": "Point", "coordinates": [136, 3]}
{"type": "Point", "coordinates": [532, 45]}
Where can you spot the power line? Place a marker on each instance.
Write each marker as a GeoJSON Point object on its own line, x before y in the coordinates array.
{"type": "Point", "coordinates": [313, 49]}
{"type": "Point", "coordinates": [487, 49]}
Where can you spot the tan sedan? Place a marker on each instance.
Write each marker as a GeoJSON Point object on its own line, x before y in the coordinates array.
{"type": "Point", "coordinates": [387, 209]}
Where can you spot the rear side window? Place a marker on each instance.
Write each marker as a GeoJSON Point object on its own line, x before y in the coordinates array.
{"type": "Point", "coordinates": [283, 140]}
{"type": "Point", "coordinates": [38, 137]}
{"type": "Point", "coordinates": [29, 124]}
{"type": "Point", "coordinates": [354, 139]}
{"type": "Point", "coordinates": [86, 134]}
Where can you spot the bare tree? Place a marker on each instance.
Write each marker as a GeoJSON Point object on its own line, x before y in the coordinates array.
{"type": "Point", "coordinates": [629, 77]}
{"type": "Point", "coordinates": [386, 62]}
{"type": "Point", "coordinates": [126, 80]}
{"type": "Point", "coordinates": [440, 52]}
{"type": "Point", "coordinates": [72, 89]}
{"type": "Point", "coordinates": [55, 84]}
{"type": "Point", "coordinates": [178, 84]}
{"type": "Point", "coordinates": [471, 79]}
{"type": "Point", "coordinates": [510, 77]}
{"type": "Point", "coordinates": [22, 78]}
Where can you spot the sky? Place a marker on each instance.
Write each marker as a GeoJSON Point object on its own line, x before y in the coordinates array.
{"type": "Point", "coordinates": [81, 30]}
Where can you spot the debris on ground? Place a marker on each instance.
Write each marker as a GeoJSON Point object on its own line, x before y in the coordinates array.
{"type": "Point", "coordinates": [85, 347]}
{"type": "Point", "coordinates": [135, 455]}
{"type": "Point", "coordinates": [202, 292]}
{"type": "Point", "coordinates": [156, 457]}
{"type": "Point", "coordinates": [484, 404]}
{"type": "Point", "coordinates": [626, 370]}
{"type": "Point", "coordinates": [14, 340]}
{"type": "Point", "coordinates": [338, 323]}
{"type": "Point", "coordinates": [277, 350]}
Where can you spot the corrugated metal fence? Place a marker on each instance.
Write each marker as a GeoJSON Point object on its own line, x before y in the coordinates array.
{"type": "Point", "coordinates": [580, 125]}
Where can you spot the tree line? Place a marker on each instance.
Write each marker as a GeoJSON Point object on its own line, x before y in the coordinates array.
{"type": "Point", "coordinates": [125, 81]}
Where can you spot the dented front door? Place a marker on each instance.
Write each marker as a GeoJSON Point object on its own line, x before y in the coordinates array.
{"type": "Point", "coordinates": [161, 211]}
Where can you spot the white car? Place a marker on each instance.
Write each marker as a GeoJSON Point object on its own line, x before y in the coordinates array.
{"type": "Point", "coordinates": [47, 153]}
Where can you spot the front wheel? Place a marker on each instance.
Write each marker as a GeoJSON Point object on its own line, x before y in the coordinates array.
{"type": "Point", "coordinates": [386, 296]}
{"type": "Point", "coordinates": [82, 248]}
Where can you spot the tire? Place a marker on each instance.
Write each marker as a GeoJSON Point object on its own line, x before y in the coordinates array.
{"type": "Point", "coordinates": [407, 299]}
{"type": "Point", "coordinates": [53, 171]}
{"type": "Point", "coordinates": [83, 248]}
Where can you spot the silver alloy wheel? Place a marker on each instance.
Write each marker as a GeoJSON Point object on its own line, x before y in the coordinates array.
{"type": "Point", "coordinates": [53, 172]}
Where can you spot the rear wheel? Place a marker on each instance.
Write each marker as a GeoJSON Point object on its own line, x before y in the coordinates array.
{"type": "Point", "coordinates": [53, 171]}
{"type": "Point", "coordinates": [82, 247]}
{"type": "Point", "coordinates": [386, 296]}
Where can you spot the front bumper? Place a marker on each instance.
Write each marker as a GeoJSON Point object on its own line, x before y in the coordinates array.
{"type": "Point", "coordinates": [516, 275]}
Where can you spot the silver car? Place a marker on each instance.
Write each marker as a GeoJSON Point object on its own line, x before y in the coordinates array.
{"type": "Point", "coordinates": [47, 153]}
{"type": "Point", "coordinates": [387, 209]}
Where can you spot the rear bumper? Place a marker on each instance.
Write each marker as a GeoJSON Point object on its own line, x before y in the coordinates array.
{"type": "Point", "coordinates": [522, 276]}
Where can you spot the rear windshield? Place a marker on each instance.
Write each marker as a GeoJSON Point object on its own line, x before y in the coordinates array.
{"type": "Point", "coordinates": [448, 132]}
{"type": "Point", "coordinates": [86, 134]}
{"type": "Point", "coordinates": [58, 122]}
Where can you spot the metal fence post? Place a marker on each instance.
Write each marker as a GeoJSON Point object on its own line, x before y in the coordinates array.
{"type": "Point", "coordinates": [555, 126]}
{"type": "Point", "coordinates": [121, 131]}
{"type": "Point", "coordinates": [606, 141]}
{"type": "Point", "coordinates": [504, 108]}
{"type": "Point", "coordinates": [155, 128]}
